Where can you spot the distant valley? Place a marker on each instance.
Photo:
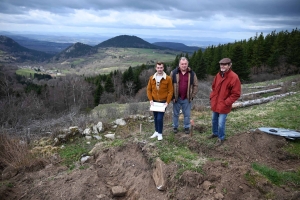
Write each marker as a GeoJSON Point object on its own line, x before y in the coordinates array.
{"type": "Point", "coordinates": [117, 53]}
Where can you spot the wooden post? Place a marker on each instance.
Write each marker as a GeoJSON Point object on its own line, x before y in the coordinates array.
{"type": "Point", "coordinates": [192, 127]}
{"type": "Point", "coordinates": [140, 129]}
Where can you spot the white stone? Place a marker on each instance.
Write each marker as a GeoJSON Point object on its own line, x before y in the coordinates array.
{"type": "Point", "coordinates": [120, 122]}
{"type": "Point", "coordinates": [84, 159]}
{"type": "Point", "coordinates": [87, 131]}
{"type": "Point", "coordinates": [111, 136]}
{"type": "Point", "coordinates": [97, 128]}
{"type": "Point", "coordinates": [97, 137]}
{"type": "Point", "coordinates": [88, 137]}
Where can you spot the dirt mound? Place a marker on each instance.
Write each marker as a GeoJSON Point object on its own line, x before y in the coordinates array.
{"type": "Point", "coordinates": [228, 176]}
{"type": "Point", "coordinates": [229, 173]}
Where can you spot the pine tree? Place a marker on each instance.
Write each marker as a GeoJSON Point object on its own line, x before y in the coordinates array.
{"type": "Point", "coordinates": [109, 86]}
{"type": "Point", "coordinates": [293, 49]}
{"type": "Point", "coordinates": [97, 95]}
{"type": "Point", "coordinates": [239, 64]}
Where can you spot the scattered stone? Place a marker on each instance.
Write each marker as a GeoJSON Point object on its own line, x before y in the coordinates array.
{"type": "Point", "coordinates": [110, 136]}
{"type": "Point", "coordinates": [97, 128]}
{"type": "Point", "coordinates": [97, 137]}
{"type": "Point", "coordinates": [219, 196]}
{"type": "Point", "coordinates": [88, 137]}
{"type": "Point", "coordinates": [102, 197]}
{"type": "Point", "coordinates": [84, 159]}
{"type": "Point", "coordinates": [73, 129]}
{"type": "Point", "coordinates": [120, 122]}
{"type": "Point", "coordinates": [118, 191]}
{"type": "Point", "coordinates": [96, 148]}
{"type": "Point", "coordinates": [87, 131]}
{"type": "Point", "coordinates": [206, 185]}
{"type": "Point", "coordinates": [158, 174]}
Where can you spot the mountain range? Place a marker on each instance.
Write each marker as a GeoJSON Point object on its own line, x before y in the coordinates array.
{"type": "Point", "coordinates": [22, 49]}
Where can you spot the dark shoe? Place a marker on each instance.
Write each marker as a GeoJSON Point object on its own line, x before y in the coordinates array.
{"type": "Point", "coordinates": [212, 136]}
{"type": "Point", "coordinates": [187, 131]}
{"type": "Point", "coordinates": [219, 142]}
{"type": "Point", "coordinates": [175, 130]}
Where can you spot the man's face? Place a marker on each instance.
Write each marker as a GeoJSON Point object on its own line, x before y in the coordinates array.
{"type": "Point", "coordinates": [183, 65]}
{"type": "Point", "coordinates": [159, 68]}
{"type": "Point", "coordinates": [224, 67]}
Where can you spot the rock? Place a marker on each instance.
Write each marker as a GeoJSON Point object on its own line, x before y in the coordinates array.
{"type": "Point", "coordinates": [97, 128]}
{"type": "Point", "coordinates": [102, 197]}
{"type": "Point", "coordinates": [87, 131]}
{"type": "Point", "coordinates": [73, 129]}
{"type": "Point", "coordinates": [96, 148]}
{"type": "Point", "coordinates": [88, 137]}
{"type": "Point", "coordinates": [118, 191]}
{"type": "Point", "coordinates": [84, 159]}
{"type": "Point", "coordinates": [206, 185]}
{"type": "Point", "coordinates": [120, 122]}
{"type": "Point", "coordinates": [219, 196]}
{"type": "Point", "coordinates": [158, 174]}
{"type": "Point", "coordinates": [97, 137]}
{"type": "Point", "coordinates": [110, 136]}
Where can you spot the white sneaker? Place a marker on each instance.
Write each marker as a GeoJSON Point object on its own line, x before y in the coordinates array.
{"type": "Point", "coordinates": [159, 136]}
{"type": "Point", "coordinates": [155, 134]}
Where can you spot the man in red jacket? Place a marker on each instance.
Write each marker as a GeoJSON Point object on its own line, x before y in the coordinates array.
{"type": "Point", "coordinates": [226, 89]}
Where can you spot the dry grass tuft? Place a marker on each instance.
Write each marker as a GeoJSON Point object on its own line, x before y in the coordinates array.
{"type": "Point", "coordinates": [15, 153]}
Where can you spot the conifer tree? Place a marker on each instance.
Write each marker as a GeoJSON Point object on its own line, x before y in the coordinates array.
{"type": "Point", "coordinates": [98, 93]}
{"type": "Point", "coordinates": [109, 86]}
{"type": "Point", "coordinates": [239, 64]}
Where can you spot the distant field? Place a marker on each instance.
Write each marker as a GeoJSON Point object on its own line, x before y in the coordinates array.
{"type": "Point", "coordinates": [25, 72]}
{"type": "Point", "coordinates": [110, 59]}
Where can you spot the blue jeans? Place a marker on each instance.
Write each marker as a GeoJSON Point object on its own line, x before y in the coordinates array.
{"type": "Point", "coordinates": [185, 106]}
{"type": "Point", "coordinates": [218, 125]}
{"type": "Point", "coordinates": [158, 121]}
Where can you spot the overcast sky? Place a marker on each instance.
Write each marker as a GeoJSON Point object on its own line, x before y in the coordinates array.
{"type": "Point", "coordinates": [189, 19]}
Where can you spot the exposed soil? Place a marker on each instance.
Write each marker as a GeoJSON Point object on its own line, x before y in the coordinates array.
{"type": "Point", "coordinates": [131, 167]}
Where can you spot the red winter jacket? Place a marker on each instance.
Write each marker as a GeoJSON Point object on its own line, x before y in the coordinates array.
{"type": "Point", "coordinates": [225, 91]}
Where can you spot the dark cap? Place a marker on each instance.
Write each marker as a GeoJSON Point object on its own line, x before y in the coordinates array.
{"type": "Point", "coordinates": [225, 61]}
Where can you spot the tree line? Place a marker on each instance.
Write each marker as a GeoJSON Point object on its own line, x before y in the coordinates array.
{"type": "Point", "coordinates": [276, 53]}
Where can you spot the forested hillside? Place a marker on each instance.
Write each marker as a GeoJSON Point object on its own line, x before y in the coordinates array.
{"type": "Point", "coordinates": [12, 51]}
{"type": "Point", "coordinates": [127, 42]}
{"type": "Point", "coordinates": [275, 53]}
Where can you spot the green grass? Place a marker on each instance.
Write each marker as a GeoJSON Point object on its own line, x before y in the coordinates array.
{"type": "Point", "coordinates": [272, 82]}
{"type": "Point", "coordinates": [171, 151]}
{"type": "Point", "coordinates": [72, 152]}
{"type": "Point", "coordinates": [278, 178]}
{"type": "Point", "coordinates": [25, 72]}
{"type": "Point", "coordinates": [293, 148]}
{"type": "Point", "coordinates": [76, 62]}
{"type": "Point", "coordinates": [6, 183]}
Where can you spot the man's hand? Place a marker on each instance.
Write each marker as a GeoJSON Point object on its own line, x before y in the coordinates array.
{"type": "Point", "coordinates": [151, 103]}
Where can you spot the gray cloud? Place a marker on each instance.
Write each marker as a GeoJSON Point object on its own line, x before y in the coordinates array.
{"type": "Point", "coordinates": [218, 18]}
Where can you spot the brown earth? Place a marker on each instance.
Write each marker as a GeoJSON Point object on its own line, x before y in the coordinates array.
{"type": "Point", "coordinates": [131, 167]}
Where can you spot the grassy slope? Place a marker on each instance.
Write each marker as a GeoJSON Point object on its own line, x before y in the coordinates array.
{"type": "Point", "coordinates": [109, 59]}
